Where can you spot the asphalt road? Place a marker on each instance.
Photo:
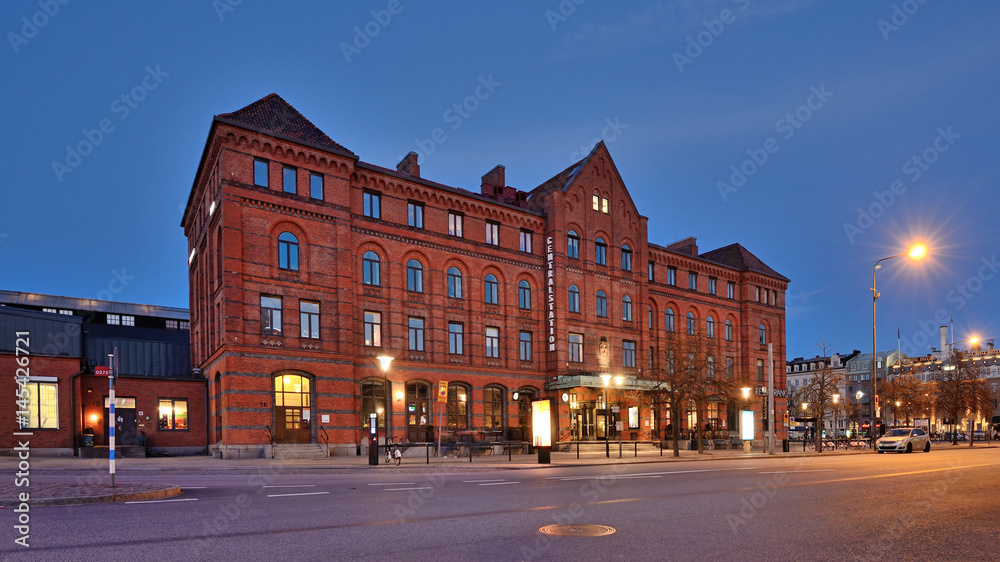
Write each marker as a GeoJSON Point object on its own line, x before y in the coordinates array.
{"type": "Point", "coordinates": [938, 506]}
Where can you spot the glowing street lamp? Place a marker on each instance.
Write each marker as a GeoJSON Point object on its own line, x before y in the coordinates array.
{"type": "Point", "coordinates": [384, 361]}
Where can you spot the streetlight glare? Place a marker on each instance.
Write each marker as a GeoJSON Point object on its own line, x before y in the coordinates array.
{"type": "Point", "coordinates": [973, 340]}
{"type": "Point", "coordinates": [918, 251]}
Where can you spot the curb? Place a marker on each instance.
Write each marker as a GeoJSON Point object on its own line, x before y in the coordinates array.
{"type": "Point", "coordinates": [164, 492]}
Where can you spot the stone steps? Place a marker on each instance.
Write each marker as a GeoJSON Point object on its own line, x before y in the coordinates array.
{"type": "Point", "coordinates": [300, 451]}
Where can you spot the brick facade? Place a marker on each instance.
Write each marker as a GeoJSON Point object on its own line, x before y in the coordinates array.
{"type": "Point", "coordinates": [233, 224]}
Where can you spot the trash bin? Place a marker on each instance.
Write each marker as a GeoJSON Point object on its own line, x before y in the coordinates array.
{"type": "Point", "coordinates": [784, 445]}
{"type": "Point", "coordinates": [694, 445]}
{"type": "Point", "coordinates": [88, 440]}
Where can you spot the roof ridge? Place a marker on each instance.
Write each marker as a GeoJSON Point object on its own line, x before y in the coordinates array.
{"type": "Point", "coordinates": [274, 115]}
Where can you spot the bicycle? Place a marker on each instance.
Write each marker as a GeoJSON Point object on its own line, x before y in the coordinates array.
{"type": "Point", "coordinates": [393, 452]}
{"type": "Point", "coordinates": [854, 444]}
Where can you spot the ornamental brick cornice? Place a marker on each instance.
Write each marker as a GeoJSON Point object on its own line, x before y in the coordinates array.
{"type": "Point", "coordinates": [285, 210]}
{"type": "Point", "coordinates": [447, 248]}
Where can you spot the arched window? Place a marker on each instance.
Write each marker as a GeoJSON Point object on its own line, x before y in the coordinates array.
{"type": "Point", "coordinates": [494, 410]}
{"type": "Point", "coordinates": [729, 330]}
{"type": "Point", "coordinates": [626, 258]}
{"type": "Point", "coordinates": [524, 295]}
{"type": "Point", "coordinates": [668, 319]}
{"type": "Point", "coordinates": [418, 412]}
{"type": "Point", "coordinates": [600, 251]}
{"type": "Point", "coordinates": [454, 283]}
{"type": "Point", "coordinates": [288, 251]}
{"type": "Point", "coordinates": [458, 407]}
{"type": "Point", "coordinates": [573, 245]}
{"type": "Point", "coordinates": [602, 304]}
{"type": "Point", "coordinates": [763, 334]}
{"type": "Point", "coordinates": [414, 276]}
{"type": "Point", "coordinates": [627, 308]}
{"type": "Point", "coordinates": [574, 298]}
{"type": "Point", "coordinates": [690, 324]}
{"type": "Point", "coordinates": [710, 327]}
{"type": "Point", "coordinates": [373, 402]}
{"type": "Point", "coordinates": [372, 269]}
{"type": "Point", "coordinates": [491, 289]}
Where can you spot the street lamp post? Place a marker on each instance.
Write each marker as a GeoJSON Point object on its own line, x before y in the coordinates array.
{"type": "Point", "coordinates": [916, 252]}
{"type": "Point", "coordinates": [384, 361]}
{"type": "Point", "coordinates": [746, 401]}
{"type": "Point", "coordinates": [606, 378]}
{"type": "Point", "coordinates": [836, 399]}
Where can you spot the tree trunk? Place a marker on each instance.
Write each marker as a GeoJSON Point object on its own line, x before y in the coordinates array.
{"type": "Point", "coordinates": [675, 423]}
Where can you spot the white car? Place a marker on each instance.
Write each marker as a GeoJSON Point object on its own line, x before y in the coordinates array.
{"type": "Point", "coordinates": [904, 440]}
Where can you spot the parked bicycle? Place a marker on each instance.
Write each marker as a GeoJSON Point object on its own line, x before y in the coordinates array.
{"type": "Point", "coordinates": [393, 452]}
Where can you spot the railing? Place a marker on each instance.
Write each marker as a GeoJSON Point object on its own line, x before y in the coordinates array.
{"type": "Point", "coordinates": [461, 449]}
{"type": "Point", "coordinates": [326, 440]}
{"type": "Point", "coordinates": [270, 439]}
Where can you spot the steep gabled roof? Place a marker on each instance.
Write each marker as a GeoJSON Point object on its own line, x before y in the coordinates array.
{"type": "Point", "coordinates": [563, 179]}
{"type": "Point", "coordinates": [275, 116]}
{"type": "Point", "coordinates": [739, 258]}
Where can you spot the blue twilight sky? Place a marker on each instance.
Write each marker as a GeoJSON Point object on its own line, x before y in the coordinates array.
{"type": "Point", "coordinates": [877, 120]}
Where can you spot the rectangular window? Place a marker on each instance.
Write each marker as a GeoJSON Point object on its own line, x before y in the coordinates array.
{"type": "Point", "coordinates": [493, 233]}
{"type": "Point", "coordinates": [604, 205]}
{"type": "Point", "coordinates": [185, 325]}
{"type": "Point", "coordinates": [43, 405]}
{"type": "Point", "coordinates": [316, 186]}
{"type": "Point", "coordinates": [373, 329]}
{"type": "Point", "coordinates": [576, 348]}
{"type": "Point", "coordinates": [288, 180]}
{"type": "Point", "coordinates": [173, 414]}
{"type": "Point", "coordinates": [731, 290]}
{"type": "Point", "coordinates": [456, 337]}
{"type": "Point", "coordinates": [492, 342]}
{"type": "Point", "coordinates": [760, 370]}
{"type": "Point", "coordinates": [373, 204]}
{"type": "Point", "coordinates": [128, 320]}
{"type": "Point", "coordinates": [309, 319]}
{"type": "Point", "coordinates": [651, 271]}
{"type": "Point", "coordinates": [172, 324]}
{"type": "Point", "coordinates": [711, 285]}
{"type": "Point", "coordinates": [693, 281]}
{"type": "Point", "coordinates": [758, 294]}
{"type": "Point", "coordinates": [51, 310]}
{"type": "Point", "coordinates": [672, 276]}
{"type": "Point", "coordinates": [526, 241]}
{"type": "Point", "coordinates": [260, 172]}
{"type": "Point", "coordinates": [114, 320]}
{"type": "Point", "coordinates": [597, 202]}
{"type": "Point", "coordinates": [455, 224]}
{"type": "Point", "coordinates": [270, 315]}
{"type": "Point", "coordinates": [416, 327]}
{"type": "Point", "coordinates": [525, 346]}
{"type": "Point", "coordinates": [628, 354]}
{"type": "Point", "coordinates": [415, 215]}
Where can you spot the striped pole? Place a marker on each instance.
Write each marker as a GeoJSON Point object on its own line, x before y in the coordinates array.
{"type": "Point", "coordinates": [111, 420]}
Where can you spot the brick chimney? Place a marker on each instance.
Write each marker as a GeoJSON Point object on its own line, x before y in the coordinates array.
{"type": "Point", "coordinates": [492, 180]}
{"type": "Point", "coordinates": [408, 165]}
{"type": "Point", "coordinates": [688, 246]}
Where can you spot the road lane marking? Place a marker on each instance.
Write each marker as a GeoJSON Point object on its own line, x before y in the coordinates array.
{"type": "Point", "coordinates": [299, 494]}
{"type": "Point", "coordinates": [401, 489]}
{"type": "Point", "coordinates": [794, 471]}
{"type": "Point", "coordinates": [642, 476]}
{"type": "Point", "coordinates": [606, 477]}
{"type": "Point", "coordinates": [471, 481]}
{"type": "Point", "coordinates": [496, 483]}
{"type": "Point", "coordinates": [193, 487]}
{"type": "Point", "coordinates": [292, 486]}
{"type": "Point", "coordinates": [165, 501]}
{"type": "Point", "coordinates": [393, 484]}
{"type": "Point", "coordinates": [891, 475]}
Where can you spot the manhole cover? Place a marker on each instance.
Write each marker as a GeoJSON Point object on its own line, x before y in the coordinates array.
{"type": "Point", "coordinates": [577, 530]}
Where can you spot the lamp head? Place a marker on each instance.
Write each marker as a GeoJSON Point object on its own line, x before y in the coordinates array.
{"type": "Point", "coordinates": [619, 380]}
{"type": "Point", "coordinates": [746, 391]}
{"type": "Point", "coordinates": [836, 398]}
{"type": "Point", "coordinates": [606, 378]}
{"type": "Point", "coordinates": [384, 360]}
{"type": "Point", "coordinates": [918, 251]}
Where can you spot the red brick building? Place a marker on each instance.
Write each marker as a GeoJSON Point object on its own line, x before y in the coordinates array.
{"type": "Point", "coordinates": [307, 263]}
{"type": "Point", "coordinates": [59, 342]}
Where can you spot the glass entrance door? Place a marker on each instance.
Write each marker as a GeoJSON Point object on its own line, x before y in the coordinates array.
{"type": "Point", "coordinates": [292, 410]}
{"type": "Point", "coordinates": [418, 412]}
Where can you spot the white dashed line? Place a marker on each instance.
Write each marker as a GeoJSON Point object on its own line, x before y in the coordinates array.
{"type": "Point", "coordinates": [497, 483]}
{"type": "Point", "coordinates": [295, 486]}
{"type": "Point", "coordinates": [401, 489]}
{"type": "Point", "coordinates": [302, 494]}
{"type": "Point", "coordinates": [165, 501]}
{"type": "Point", "coordinates": [472, 481]}
{"type": "Point", "coordinates": [393, 484]}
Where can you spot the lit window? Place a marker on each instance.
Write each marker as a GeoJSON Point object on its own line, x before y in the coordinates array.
{"type": "Point", "coordinates": [604, 205]}
{"type": "Point", "coordinates": [600, 252]}
{"type": "Point", "coordinates": [309, 319]}
{"type": "Point", "coordinates": [373, 329]}
{"type": "Point", "coordinates": [288, 251]}
{"type": "Point", "coordinates": [128, 320]}
{"type": "Point", "coordinates": [415, 215]}
{"type": "Point", "coordinates": [316, 186]}
{"type": "Point", "coordinates": [42, 411]}
{"type": "Point", "coordinates": [185, 325]}
{"type": "Point", "coordinates": [414, 276]}
{"type": "Point", "coordinates": [491, 289]}
{"type": "Point", "coordinates": [576, 348]}
{"type": "Point", "coordinates": [172, 324]}
{"type": "Point", "coordinates": [373, 402]}
{"type": "Point", "coordinates": [524, 295]}
{"type": "Point", "coordinates": [597, 202]}
{"type": "Point", "coordinates": [493, 233]}
{"type": "Point", "coordinates": [572, 245]}
{"type": "Point", "coordinates": [628, 354]}
{"type": "Point", "coordinates": [626, 258]}
{"type": "Point", "coordinates": [270, 315]}
{"type": "Point", "coordinates": [627, 308]}
{"type": "Point", "coordinates": [602, 304]}
{"type": "Point", "coordinates": [456, 336]}
{"type": "Point", "coordinates": [416, 328]}
{"type": "Point", "coordinates": [51, 310]}
{"type": "Point", "coordinates": [492, 342]}
{"type": "Point", "coordinates": [260, 172]}
{"type": "Point", "coordinates": [373, 204]}
{"type": "Point", "coordinates": [574, 298]}
{"type": "Point", "coordinates": [455, 224]}
{"type": "Point", "coordinates": [454, 283]}
{"type": "Point", "coordinates": [526, 241]}
{"type": "Point", "coordinates": [288, 180]}
{"type": "Point", "coordinates": [173, 414]}
{"type": "Point", "coordinates": [458, 407]}
{"type": "Point", "coordinates": [114, 320]}
{"type": "Point", "coordinates": [371, 269]}
{"type": "Point", "coordinates": [494, 411]}
{"type": "Point", "coordinates": [524, 346]}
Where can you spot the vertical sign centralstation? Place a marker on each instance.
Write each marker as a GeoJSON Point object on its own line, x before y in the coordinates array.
{"type": "Point", "coordinates": [550, 292]}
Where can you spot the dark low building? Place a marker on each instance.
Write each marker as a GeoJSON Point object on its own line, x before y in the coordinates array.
{"type": "Point", "coordinates": [159, 399]}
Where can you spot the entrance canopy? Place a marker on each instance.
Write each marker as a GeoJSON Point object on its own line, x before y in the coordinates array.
{"type": "Point", "coordinates": [593, 380]}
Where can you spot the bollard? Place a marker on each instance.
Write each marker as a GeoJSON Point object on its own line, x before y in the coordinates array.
{"type": "Point", "coordinates": [636, 443]}
{"type": "Point", "coordinates": [427, 449]}
{"type": "Point", "coordinates": [607, 448]}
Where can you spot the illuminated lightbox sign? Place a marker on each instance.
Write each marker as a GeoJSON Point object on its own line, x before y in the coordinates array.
{"type": "Point", "coordinates": [746, 425]}
{"type": "Point", "coordinates": [541, 424]}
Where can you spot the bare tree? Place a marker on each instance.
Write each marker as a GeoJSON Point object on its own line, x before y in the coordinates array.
{"type": "Point", "coordinates": [949, 394]}
{"type": "Point", "coordinates": [911, 394]}
{"type": "Point", "coordinates": [819, 390]}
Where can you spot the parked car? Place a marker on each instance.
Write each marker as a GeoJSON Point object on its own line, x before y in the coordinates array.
{"type": "Point", "coordinates": [904, 440]}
